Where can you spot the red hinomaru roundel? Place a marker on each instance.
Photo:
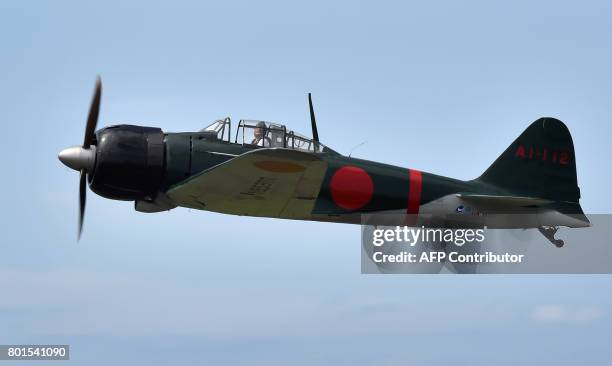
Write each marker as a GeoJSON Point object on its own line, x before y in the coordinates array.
{"type": "Point", "coordinates": [351, 187]}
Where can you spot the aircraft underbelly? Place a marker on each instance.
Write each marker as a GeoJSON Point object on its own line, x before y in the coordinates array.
{"type": "Point", "coordinates": [451, 211]}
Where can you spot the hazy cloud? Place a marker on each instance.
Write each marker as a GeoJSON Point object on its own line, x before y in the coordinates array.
{"type": "Point", "coordinates": [83, 302]}
{"type": "Point", "coordinates": [561, 314]}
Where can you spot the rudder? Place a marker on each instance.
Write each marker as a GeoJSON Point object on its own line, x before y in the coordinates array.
{"type": "Point", "coordinates": [539, 163]}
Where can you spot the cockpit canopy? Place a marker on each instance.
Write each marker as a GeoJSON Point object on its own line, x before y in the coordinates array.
{"type": "Point", "coordinates": [264, 134]}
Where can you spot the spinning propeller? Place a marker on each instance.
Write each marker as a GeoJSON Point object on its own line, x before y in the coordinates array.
{"type": "Point", "coordinates": [83, 158]}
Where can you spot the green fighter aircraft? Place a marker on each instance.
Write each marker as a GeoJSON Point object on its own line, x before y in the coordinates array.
{"type": "Point", "coordinates": [264, 169]}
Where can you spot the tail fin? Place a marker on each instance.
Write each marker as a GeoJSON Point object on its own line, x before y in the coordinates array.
{"type": "Point", "coordinates": [539, 163]}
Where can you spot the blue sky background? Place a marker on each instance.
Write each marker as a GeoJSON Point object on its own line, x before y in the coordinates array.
{"type": "Point", "coordinates": [438, 86]}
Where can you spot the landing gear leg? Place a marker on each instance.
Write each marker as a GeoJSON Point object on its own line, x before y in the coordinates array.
{"type": "Point", "coordinates": [549, 233]}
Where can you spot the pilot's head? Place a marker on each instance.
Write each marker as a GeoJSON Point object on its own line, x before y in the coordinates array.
{"type": "Point", "coordinates": [260, 130]}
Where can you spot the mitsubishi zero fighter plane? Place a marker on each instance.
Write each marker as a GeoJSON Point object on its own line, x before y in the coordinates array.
{"type": "Point", "coordinates": [264, 169]}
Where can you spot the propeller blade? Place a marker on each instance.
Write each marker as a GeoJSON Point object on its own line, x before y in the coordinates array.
{"type": "Point", "coordinates": [92, 118]}
{"type": "Point", "coordinates": [82, 196]}
{"type": "Point", "coordinates": [313, 122]}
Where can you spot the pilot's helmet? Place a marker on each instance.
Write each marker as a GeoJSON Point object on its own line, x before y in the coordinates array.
{"type": "Point", "coordinates": [260, 127]}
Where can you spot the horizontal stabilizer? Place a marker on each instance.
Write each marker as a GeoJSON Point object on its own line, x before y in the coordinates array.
{"type": "Point", "coordinates": [504, 201]}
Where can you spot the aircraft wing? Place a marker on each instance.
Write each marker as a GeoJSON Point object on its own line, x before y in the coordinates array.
{"type": "Point", "coordinates": [504, 201]}
{"type": "Point", "coordinates": [265, 182]}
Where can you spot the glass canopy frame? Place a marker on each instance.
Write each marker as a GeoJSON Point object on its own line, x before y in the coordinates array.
{"type": "Point", "coordinates": [258, 133]}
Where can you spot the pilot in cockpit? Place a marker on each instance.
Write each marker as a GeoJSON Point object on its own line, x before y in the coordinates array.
{"type": "Point", "coordinates": [260, 136]}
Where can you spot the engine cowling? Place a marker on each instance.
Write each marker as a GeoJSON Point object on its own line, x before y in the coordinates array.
{"type": "Point", "coordinates": [129, 162]}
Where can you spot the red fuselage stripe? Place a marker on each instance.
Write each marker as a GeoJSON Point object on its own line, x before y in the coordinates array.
{"type": "Point", "coordinates": [414, 195]}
